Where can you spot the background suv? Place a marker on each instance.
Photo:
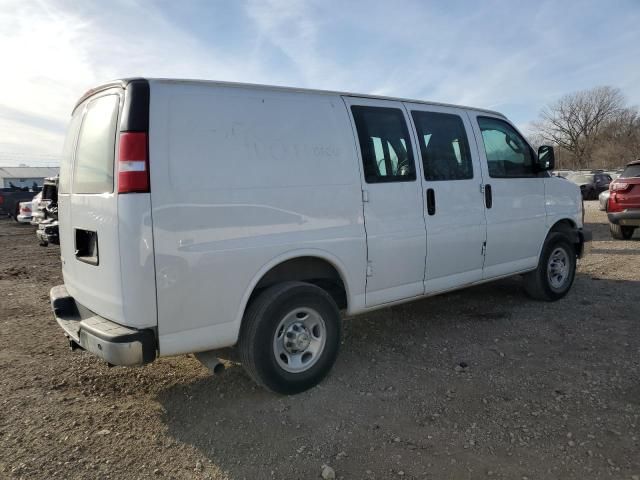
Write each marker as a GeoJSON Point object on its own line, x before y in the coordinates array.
{"type": "Point", "coordinates": [623, 208]}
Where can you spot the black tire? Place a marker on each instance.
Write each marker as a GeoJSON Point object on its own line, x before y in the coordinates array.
{"type": "Point", "coordinates": [537, 284]}
{"type": "Point", "coordinates": [619, 232]}
{"type": "Point", "coordinates": [257, 347]}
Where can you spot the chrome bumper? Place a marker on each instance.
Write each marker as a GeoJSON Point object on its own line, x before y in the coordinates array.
{"type": "Point", "coordinates": [114, 343]}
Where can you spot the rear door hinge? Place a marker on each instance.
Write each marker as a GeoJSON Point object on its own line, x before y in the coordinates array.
{"type": "Point", "coordinates": [369, 269]}
{"type": "Point", "coordinates": [482, 188]}
{"type": "Point", "coordinates": [365, 196]}
{"type": "Point", "coordinates": [484, 248]}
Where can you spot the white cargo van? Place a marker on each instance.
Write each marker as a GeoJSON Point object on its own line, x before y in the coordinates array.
{"type": "Point", "coordinates": [200, 215]}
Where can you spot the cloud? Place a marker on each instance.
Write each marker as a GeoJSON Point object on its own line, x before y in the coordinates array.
{"type": "Point", "coordinates": [505, 56]}
{"type": "Point", "coordinates": [53, 52]}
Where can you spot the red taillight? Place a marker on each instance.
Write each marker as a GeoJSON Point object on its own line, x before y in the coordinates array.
{"type": "Point", "coordinates": [133, 163]}
{"type": "Point", "coordinates": [619, 186]}
{"type": "Point", "coordinates": [1, 199]}
{"type": "Point", "coordinates": [25, 209]}
{"type": "Point", "coordinates": [613, 205]}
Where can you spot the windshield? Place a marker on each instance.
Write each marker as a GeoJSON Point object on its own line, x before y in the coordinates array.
{"type": "Point", "coordinates": [580, 178]}
{"type": "Point", "coordinates": [631, 171]}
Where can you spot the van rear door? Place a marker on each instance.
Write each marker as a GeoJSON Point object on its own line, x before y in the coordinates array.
{"type": "Point", "coordinates": [105, 236]}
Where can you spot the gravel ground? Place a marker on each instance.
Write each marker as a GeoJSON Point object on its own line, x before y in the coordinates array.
{"type": "Point", "coordinates": [482, 383]}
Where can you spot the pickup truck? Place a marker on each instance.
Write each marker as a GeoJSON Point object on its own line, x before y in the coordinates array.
{"type": "Point", "coordinates": [10, 199]}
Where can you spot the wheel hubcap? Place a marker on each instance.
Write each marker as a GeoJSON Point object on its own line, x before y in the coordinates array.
{"type": "Point", "coordinates": [558, 268]}
{"type": "Point", "coordinates": [299, 340]}
{"type": "Point", "coordinates": [296, 338]}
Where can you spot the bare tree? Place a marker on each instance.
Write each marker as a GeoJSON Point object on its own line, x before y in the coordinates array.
{"type": "Point", "coordinates": [619, 142]}
{"type": "Point", "coordinates": [574, 122]}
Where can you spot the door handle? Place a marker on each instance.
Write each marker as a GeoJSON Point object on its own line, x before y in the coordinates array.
{"type": "Point", "coordinates": [488, 198]}
{"type": "Point", "coordinates": [431, 201]}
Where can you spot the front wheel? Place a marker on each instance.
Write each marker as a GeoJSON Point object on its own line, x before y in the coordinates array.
{"type": "Point", "coordinates": [621, 233]}
{"type": "Point", "coordinates": [556, 270]}
{"type": "Point", "coordinates": [290, 337]}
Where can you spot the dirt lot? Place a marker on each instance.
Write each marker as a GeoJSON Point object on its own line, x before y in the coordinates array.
{"type": "Point", "coordinates": [549, 391]}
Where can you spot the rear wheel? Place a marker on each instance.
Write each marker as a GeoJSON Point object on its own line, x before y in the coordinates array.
{"type": "Point", "coordinates": [290, 337]}
{"type": "Point", "coordinates": [621, 233]}
{"type": "Point", "coordinates": [556, 270]}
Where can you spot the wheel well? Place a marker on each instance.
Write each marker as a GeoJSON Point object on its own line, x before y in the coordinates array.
{"type": "Point", "coordinates": [568, 228]}
{"type": "Point", "coordinates": [564, 226]}
{"type": "Point", "coordinates": [313, 270]}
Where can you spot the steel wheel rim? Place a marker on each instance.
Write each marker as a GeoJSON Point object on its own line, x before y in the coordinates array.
{"type": "Point", "coordinates": [558, 268]}
{"type": "Point", "coordinates": [299, 340]}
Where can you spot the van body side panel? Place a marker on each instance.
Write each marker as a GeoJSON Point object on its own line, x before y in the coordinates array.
{"type": "Point", "coordinates": [562, 200]}
{"type": "Point", "coordinates": [239, 177]}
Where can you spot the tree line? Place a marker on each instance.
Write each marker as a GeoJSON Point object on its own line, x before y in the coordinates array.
{"type": "Point", "coordinates": [592, 129]}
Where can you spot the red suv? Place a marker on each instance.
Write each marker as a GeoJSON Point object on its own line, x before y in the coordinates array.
{"type": "Point", "coordinates": [623, 208]}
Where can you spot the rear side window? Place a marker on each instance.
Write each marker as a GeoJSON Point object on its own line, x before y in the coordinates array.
{"type": "Point", "coordinates": [96, 147]}
{"type": "Point", "coordinates": [631, 171]}
{"type": "Point", "coordinates": [66, 160]}
{"type": "Point", "coordinates": [443, 145]}
{"type": "Point", "coordinates": [385, 145]}
{"type": "Point", "coordinates": [508, 155]}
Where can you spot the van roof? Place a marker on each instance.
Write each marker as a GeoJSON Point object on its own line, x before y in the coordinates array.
{"type": "Point", "coordinates": [123, 83]}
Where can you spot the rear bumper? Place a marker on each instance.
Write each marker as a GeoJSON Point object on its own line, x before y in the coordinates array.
{"type": "Point", "coordinates": [48, 233]}
{"type": "Point", "coordinates": [625, 218]}
{"type": "Point", "coordinates": [114, 343]}
{"type": "Point", "coordinates": [36, 219]}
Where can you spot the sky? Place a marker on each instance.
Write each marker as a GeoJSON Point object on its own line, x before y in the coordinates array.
{"type": "Point", "coordinates": [507, 55]}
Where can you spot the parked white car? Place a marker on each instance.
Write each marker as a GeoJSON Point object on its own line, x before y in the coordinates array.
{"type": "Point", "coordinates": [603, 200]}
{"type": "Point", "coordinates": [25, 212]}
{"type": "Point", "coordinates": [252, 216]}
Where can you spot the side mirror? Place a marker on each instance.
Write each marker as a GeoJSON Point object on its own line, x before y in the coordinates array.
{"type": "Point", "coordinates": [546, 158]}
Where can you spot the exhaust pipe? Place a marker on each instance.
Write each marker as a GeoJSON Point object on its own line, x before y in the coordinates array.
{"type": "Point", "coordinates": [211, 361]}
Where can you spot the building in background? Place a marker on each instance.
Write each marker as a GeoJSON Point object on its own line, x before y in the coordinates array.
{"type": "Point", "coordinates": [25, 176]}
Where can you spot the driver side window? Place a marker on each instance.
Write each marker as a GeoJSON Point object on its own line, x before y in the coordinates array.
{"type": "Point", "coordinates": [508, 154]}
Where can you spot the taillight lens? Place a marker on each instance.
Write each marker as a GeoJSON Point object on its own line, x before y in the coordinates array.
{"type": "Point", "coordinates": [133, 163]}
{"type": "Point", "coordinates": [619, 186]}
{"type": "Point", "coordinates": [25, 209]}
